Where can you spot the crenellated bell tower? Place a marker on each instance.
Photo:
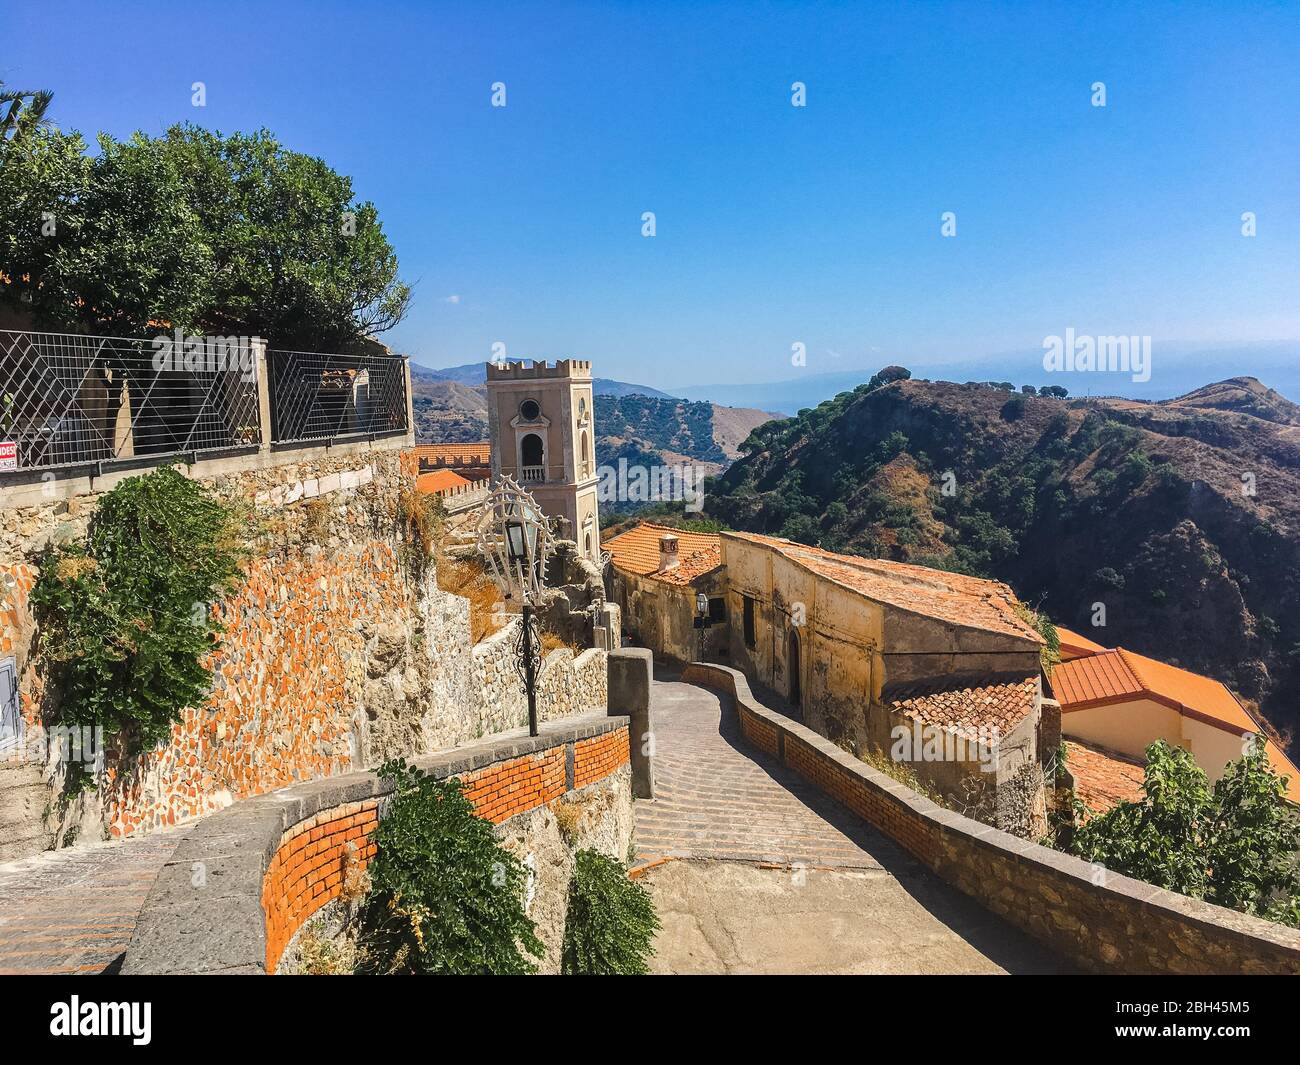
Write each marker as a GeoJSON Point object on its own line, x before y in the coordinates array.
{"type": "Point", "coordinates": [541, 427]}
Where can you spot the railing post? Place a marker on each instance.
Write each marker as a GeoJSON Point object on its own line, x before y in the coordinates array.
{"type": "Point", "coordinates": [263, 371]}
{"type": "Point", "coordinates": [410, 403]}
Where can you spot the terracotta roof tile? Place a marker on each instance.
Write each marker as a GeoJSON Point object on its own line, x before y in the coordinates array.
{"type": "Point", "coordinates": [1087, 680]}
{"type": "Point", "coordinates": [637, 551]}
{"type": "Point", "coordinates": [440, 481]}
{"type": "Point", "coordinates": [1076, 645]}
{"type": "Point", "coordinates": [955, 598]}
{"type": "Point", "coordinates": [1121, 676]}
{"type": "Point", "coordinates": [1102, 778]}
{"type": "Point", "coordinates": [967, 704]}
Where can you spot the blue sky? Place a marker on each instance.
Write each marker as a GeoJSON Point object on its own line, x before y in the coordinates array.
{"type": "Point", "coordinates": [775, 224]}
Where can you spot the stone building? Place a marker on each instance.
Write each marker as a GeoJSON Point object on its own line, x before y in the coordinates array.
{"type": "Point", "coordinates": [936, 670]}
{"type": "Point", "coordinates": [540, 423]}
{"type": "Point", "coordinates": [656, 576]}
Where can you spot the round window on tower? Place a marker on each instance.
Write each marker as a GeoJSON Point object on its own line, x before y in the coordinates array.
{"type": "Point", "coordinates": [529, 410]}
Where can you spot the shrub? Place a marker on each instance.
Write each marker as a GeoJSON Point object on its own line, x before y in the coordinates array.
{"type": "Point", "coordinates": [446, 897]}
{"type": "Point", "coordinates": [1233, 844]}
{"type": "Point", "coordinates": [125, 623]}
{"type": "Point", "coordinates": [611, 920]}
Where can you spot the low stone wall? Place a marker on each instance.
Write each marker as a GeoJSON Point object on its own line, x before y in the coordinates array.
{"type": "Point", "coordinates": [1100, 919]}
{"type": "Point", "coordinates": [568, 684]}
{"type": "Point", "coordinates": [243, 882]}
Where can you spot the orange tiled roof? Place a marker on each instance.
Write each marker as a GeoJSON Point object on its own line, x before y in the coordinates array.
{"type": "Point", "coordinates": [952, 597]}
{"type": "Point", "coordinates": [1102, 778]}
{"type": "Point", "coordinates": [439, 481]}
{"type": "Point", "coordinates": [478, 454]}
{"type": "Point", "coordinates": [1076, 645]}
{"type": "Point", "coordinates": [1121, 676]}
{"type": "Point", "coordinates": [969, 704]}
{"type": "Point", "coordinates": [637, 551]}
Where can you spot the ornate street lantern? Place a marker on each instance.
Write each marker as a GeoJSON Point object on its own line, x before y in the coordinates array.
{"type": "Point", "coordinates": [514, 538]}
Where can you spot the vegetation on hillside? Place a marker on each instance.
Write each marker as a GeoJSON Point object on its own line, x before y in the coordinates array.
{"type": "Point", "coordinates": [1138, 510]}
{"type": "Point", "coordinates": [648, 424]}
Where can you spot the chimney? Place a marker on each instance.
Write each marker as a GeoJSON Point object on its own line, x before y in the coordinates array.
{"type": "Point", "coordinates": [668, 559]}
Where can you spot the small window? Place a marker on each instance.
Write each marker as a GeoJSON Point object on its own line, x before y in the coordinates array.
{"type": "Point", "coordinates": [529, 410]}
{"type": "Point", "coordinates": [11, 725]}
{"type": "Point", "coordinates": [750, 639]}
{"type": "Point", "coordinates": [717, 610]}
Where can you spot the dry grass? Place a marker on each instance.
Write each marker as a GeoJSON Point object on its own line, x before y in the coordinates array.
{"type": "Point", "coordinates": [324, 957]}
{"type": "Point", "coordinates": [316, 520]}
{"type": "Point", "coordinates": [551, 642]}
{"type": "Point", "coordinates": [568, 817]}
{"type": "Point", "coordinates": [468, 579]}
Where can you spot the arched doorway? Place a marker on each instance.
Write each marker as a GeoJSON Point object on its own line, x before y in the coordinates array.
{"type": "Point", "coordinates": [792, 664]}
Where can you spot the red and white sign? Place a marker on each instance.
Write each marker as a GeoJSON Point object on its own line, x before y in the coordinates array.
{"type": "Point", "coordinates": [8, 455]}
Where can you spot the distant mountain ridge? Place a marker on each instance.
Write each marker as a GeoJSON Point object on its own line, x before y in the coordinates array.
{"type": "Point", "coordinates": [644, 426]}
{"type": "Point", "coordinates": [474, 375]}
{"type": "Point", "coordinates": [1180, 518]}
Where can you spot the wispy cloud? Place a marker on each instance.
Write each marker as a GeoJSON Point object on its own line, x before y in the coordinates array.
{"type": "Point", "coordinates": [451, 299]}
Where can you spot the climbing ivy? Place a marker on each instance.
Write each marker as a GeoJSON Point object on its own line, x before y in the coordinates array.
{"type": "Point", "coordinates": [445, 897]}
{"type": "Point", "coordinates": [124, 617]}
{"type": "Point", "coordinates": [611, 920]}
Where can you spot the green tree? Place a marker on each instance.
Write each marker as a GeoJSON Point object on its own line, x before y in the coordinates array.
{"type": "Point", "coordinates": [23, 110]}
{"type": "Point", "coordinates": [226, 235]}
{"type": "Point", "coordinates": [1233, 844]}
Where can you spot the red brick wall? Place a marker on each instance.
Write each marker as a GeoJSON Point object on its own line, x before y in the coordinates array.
{"type": "Point", "coordinates": [508, 788]}
{"type": "Point", "coordinates": [309, 866]}
{"type": "Point", "coordinates": [759, 733]}
{"type": "Point", "coordinates": [596, 758]}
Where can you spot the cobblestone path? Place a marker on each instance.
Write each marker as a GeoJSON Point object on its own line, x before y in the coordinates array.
{"type": "Point", "coordinates": [73, 910]}
{"type": "Point", "coordinates": [718, 797]}
{"type": "Point", "coordinates": [837, 896]}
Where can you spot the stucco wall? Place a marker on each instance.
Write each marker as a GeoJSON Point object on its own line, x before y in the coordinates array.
{"type": "Point", "coordinates": [849, 646]}
{"type": "Point", "coordinates": [661, 616]}
{"type": "Point", "coordinates": [1130, 727]}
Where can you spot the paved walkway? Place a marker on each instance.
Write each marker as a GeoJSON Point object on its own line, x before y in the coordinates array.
{"type": "Point", "coordinates": [73, 910]}
{"type": "Point", "coordinates": [836, 895]}
{"type": "Point", "coordinates": [718, 797]}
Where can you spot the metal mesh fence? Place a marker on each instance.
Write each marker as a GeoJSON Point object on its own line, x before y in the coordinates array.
{"type": "Point", "coordinates": [68, 400]}
{"type": "Point", "coordinates": [317, 396]}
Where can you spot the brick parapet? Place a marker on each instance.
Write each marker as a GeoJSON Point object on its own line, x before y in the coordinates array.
{"type": "Point", "coordinates": [243, 881]}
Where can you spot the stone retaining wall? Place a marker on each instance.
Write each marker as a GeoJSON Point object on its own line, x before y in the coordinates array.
{"type": "Point", "coordinates": [1100, 919]}
{"type": "Point", "coordinates": [568, 683]}
{"type": "Point", "coordinates": [243, 882]}
{"type": "Point", "coordinates": [335, 655]}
